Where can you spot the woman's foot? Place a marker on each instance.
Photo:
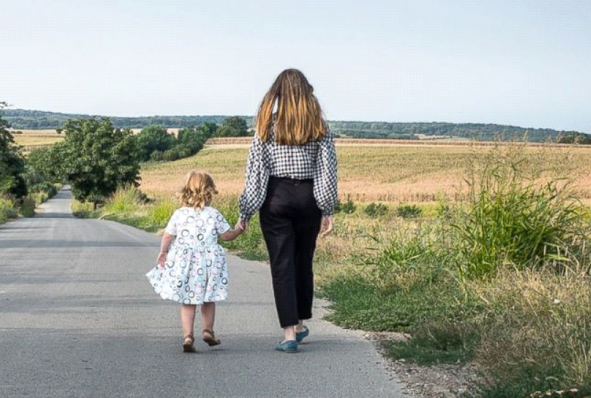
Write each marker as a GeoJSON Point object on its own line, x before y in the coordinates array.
{"type": "Point", "coordinates": [188, 346]}
{"type": "Point", "coordinates": [209, 337]}
{"type": "Point", "coordinates": [302, 333]}
{"type": "Point", "coordinates": [288, 346]}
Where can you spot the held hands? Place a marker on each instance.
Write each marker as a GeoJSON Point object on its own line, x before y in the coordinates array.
{"type": "Point", "coordinates": [242, 225]}
{"type": "Point", "coordinates": [326, 225]}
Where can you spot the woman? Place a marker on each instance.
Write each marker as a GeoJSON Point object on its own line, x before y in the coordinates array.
{"type": "Point", "coordinates": [291, 176]}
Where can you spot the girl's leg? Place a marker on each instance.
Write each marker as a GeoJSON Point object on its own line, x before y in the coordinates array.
{"type": "Point", "coordinates": [207, 316]}
{"type": "Point", "coordinates": [188, 319]}
{"type": "Point", "coordinates": [207, 321]}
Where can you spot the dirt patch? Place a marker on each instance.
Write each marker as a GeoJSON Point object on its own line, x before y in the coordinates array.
{"type": "Point", "coordinates": [434, 381]}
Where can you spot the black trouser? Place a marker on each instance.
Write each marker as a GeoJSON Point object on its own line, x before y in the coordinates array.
{"type": "Point", "coordinates": [290, 220]}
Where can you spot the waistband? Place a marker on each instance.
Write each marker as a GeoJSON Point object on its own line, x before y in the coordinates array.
{"type": "Point", "coordinates": [291, 181]}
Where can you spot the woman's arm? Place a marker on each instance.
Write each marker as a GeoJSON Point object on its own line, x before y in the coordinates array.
{"type": "Point", "coordinates": [325, 176]}
{"type": "Point", "coordinates": [255, 185]}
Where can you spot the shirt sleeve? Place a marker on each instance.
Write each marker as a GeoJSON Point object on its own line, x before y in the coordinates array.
{"type": "Point", "coordinates": [325, 176]}
{"type": "Point", "coordinates": [221, 224]}
{"type": "Point", "coordinates": [171, 226]}
{"type": "Point", "coordinates": [257, 178]}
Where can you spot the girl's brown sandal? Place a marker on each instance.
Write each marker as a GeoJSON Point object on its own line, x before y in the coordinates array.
{"type": "Point", "coordinates": [188, 341]}
{"type": "Point", "coordinates": [209, 337]}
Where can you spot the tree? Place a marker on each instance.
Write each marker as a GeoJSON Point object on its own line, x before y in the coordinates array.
{"type": "Point", "coordinates": [12, 164]}
{"type": "Point", "coordinates": [47, 162]}
{"type": "Point", "coordinates": [194, 137]}
{"type": "Point", "coordinates": [153, 138]}
{"type": "Point", "coordinates": [234, 126]}
{"type": "Point", "coordinates": [96, 158]}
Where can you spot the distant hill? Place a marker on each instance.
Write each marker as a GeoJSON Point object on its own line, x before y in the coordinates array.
{"type": "Point", "coordinates": [32, 120]}
{"type": "Point", "coordinates": [477, 131]}
{"type": "Point", "coordinates": [27, 120]}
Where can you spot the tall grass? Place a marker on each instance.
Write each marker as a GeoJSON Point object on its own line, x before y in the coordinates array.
{"type": "Point", "coordinates": [512, 218]}
{"type": "Point", "coordinates": [160, 212]}
{"type": "Point", "coordinates": [7, 209]}
{"type": "Point", "coordinates": [125, 200]}
{"type": "Point", "coordinates": [27, 207]}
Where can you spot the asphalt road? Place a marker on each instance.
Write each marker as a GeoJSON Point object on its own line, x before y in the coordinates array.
{"type": "Point", "coordinates": [79, 319]}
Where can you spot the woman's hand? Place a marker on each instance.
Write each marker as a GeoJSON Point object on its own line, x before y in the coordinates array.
{"type": "Point", "coordinates": [242, 224]}
{"type": "Point", "coordinates": [161, 259]}
{"type": "Point", "coordinates": [326, 225]}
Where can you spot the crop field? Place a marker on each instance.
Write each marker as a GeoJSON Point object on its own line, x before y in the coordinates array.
{"type": "Point", "coordinates": [33, 139]}
{"type": "Point", "coordinates": [374, 173]}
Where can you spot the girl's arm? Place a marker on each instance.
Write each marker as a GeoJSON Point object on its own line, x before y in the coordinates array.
{"type": "Point", "coordinates": [164, 246]}
{"type": "Point", "coordinates": [233, 233]}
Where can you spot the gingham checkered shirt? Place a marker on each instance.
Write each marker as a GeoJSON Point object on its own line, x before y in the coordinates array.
{"type": "Point", "coordinates": [315, 160]}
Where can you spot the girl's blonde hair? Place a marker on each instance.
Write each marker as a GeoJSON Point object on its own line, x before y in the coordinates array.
{"type": "Point", "coordinates": [198, 190]}
{"type": "Point", "coordinates": [299, 116]}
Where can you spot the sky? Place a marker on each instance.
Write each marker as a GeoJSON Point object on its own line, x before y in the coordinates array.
{"type": "Point", "coordinates": [518, 62]}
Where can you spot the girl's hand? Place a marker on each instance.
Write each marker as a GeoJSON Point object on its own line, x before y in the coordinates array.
{"type": "Point", "coordinates": [161, 259]}
{"type": "Point", "coordinates": [326, 225]}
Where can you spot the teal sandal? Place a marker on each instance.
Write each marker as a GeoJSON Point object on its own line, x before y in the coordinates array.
{"type": "Point", "coordinates": [288, 346]}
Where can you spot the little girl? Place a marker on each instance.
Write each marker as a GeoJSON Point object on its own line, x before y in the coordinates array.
{"type": "Point", "coordinates": [192, 268]}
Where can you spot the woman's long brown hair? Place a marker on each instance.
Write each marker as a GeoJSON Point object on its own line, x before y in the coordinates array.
{"type": "Point", "coordinates": [299, 116]}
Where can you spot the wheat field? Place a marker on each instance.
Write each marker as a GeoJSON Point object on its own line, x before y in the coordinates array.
{"type": "Point", "coordinates": [33, 139]}
{"type": "Point", "coordinates": [370, 173]}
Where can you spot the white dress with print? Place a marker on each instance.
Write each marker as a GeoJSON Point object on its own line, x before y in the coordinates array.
{"type": "Point", "coordinates": [195, 270]}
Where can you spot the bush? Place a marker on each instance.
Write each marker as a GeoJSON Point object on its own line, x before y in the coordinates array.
{"type": "Point", "coordinates": [46, 187]}
{"type": "Point", "coordinates": [153, 138]}
{"type": "Point", "coordinates": [376, 210]}
{"type": "Point", "coordinates": [408, 211]}
{"type": "Point", "coordinates": [156, 156]}
{"type": "Point", "coordinates": [27, 207]}
{"type": "Point", "coordinates": [170, 155]}
{"type": "Point", "coordinates": [7, 210]}
{"type": "Point", "coordinates": [39, 197]}
{"type": "Point", "coordinates": [183, 151]}
{"type": "Point", "coordinates": [348, 207]}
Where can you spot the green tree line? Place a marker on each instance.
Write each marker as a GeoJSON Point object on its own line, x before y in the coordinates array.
{"type": "Point", "coordinates": [26, 119]}
{"type": "Point", "coordinates": [31, 120]}
{"type": "Point", "coordinates": [476, 131]}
